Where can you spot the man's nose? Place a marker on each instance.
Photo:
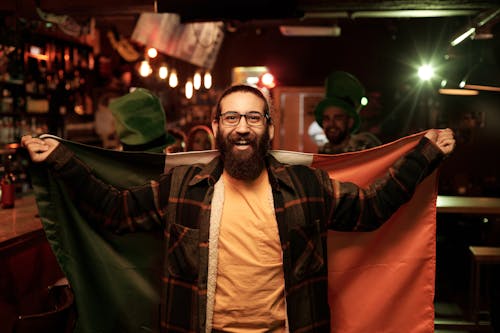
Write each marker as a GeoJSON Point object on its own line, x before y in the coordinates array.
{"type": "Point", "coordinates": [242, 126]}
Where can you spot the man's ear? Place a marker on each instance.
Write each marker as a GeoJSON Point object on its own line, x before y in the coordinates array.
{"type": "Point", "coordinates": [270, 130]}
{"type": "Point", "coordinates": [215, 127]}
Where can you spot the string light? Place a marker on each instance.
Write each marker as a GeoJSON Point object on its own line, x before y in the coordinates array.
{"type": "Point", "coordinates": [152, 52]}
{"type": "Point", "coordinates": [189, 89]}
{"type": "Point", "coordinates": [197, 80]}
{"type": "Point", "coordinates": [207, 80]}
{"type": "Point", "coordinates": [163, 72]}
{"type": "Point", "coordinates": [173, 81]}
{"type": "Point", "coordinates": [145, 68]}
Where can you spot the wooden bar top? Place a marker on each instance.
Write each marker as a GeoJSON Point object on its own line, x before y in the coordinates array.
{"type": "Point", "coordinates": [19, 221]}
{"type": "Point", "coordinates": [486, 254]}
{"type": "Point", "coordinates": [468, 205]}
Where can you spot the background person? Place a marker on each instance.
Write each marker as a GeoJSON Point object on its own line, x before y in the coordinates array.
{"type": "Point", "coordinates": [338, 116]}
{"type": "Point", "coordinates": [248, 231]}
{"type": "Point", "coordinates": [200, 137]}
{"type": "Point", "coordinates": [140, 122]}
{"type": "Point", "coordinates": [179, 145]}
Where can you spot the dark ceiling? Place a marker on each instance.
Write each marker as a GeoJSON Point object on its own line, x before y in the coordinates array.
{"type": "Point", "coordinates": [251, 10]}
{"type": "Point", "coordinates": [229, 9]}
{"type": "Point", "coordinates": [360, 20]}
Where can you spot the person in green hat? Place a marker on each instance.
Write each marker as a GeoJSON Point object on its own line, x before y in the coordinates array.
{"type": "Point", "coordinates": [140, 122]}
{"type": "Point", "coordinates": [338, 115]}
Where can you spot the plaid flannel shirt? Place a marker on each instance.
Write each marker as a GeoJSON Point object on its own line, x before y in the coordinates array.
{"type": "Point", "coordinates": [307, 204]}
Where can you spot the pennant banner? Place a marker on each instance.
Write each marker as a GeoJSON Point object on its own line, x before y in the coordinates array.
{"type": "Point", "coordinates": [381, 281]}
{"type": "Point", "coordinates": [197, 43]}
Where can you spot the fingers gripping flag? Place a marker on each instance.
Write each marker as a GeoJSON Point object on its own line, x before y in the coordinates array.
{"type": "Point", "coordinates": [381, 281]}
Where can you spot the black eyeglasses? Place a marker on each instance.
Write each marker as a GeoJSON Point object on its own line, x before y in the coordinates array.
{"type": "Point", "coordinates": [253, 118]}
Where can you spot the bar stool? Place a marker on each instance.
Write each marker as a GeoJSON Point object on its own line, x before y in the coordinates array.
{"type": "Point", "coordinates": [481, 255]}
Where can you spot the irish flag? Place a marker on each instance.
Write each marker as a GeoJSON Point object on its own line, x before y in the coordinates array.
{"type": "Point", "coordinates": [380, 282]}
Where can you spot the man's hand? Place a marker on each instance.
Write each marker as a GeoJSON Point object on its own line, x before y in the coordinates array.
{"type": "Point", "coordinates": [38, 149]}
{"type": "Point", "coordinates": [443, 138]}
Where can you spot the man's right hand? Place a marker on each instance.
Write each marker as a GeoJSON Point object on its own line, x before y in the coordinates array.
{"type": "Point", "coordinates": [38, 149]}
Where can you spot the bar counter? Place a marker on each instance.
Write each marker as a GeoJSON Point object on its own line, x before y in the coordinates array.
{"type": "Point", "coordinates": [468, 205]}
{"type": "Point", "coordinates": [20, 221]}
{"type": "Point", "coordinates": [26, 260]}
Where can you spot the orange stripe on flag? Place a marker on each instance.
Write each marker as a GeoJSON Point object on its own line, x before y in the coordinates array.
{"type": "Point", "coordinates": [383, 281]}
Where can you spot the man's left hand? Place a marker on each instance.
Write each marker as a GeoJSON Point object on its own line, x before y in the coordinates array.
{"type": "Point", "coordinates": [443, 138]}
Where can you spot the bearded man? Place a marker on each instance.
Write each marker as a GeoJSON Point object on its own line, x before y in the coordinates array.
{"type": "Point", "coordinates": [245, 235]}
{"type": "Point", "coordinates": [338, 115]}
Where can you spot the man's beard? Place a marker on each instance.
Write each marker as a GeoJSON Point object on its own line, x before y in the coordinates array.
{"type": "Point", "coordinates": [241, 164]}
{"type": "Point", "coordinates": [336, 137]}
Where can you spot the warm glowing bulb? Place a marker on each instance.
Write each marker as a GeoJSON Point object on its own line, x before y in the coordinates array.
{"type": "Point", "coordinates": [152, 52]}
{"type": "Point", "coordinates": [163, 72]}
{"type": "Point", "coordinates": [145, 69]}
{"type": "Point", "coordinates": [268, 80]}
{"type": "Point", "coordinates": [197, 80]}
{"type": "Point", "coordinates": [207, 80]}
{"type": "Point", "coordinates": [189, 89]}
{"type": "Point", "coordinates": [173, 81]}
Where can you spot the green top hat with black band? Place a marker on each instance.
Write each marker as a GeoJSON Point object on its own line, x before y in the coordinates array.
{"type": "Point", "coordinates": [345, 91]}
{"type": "Point", "coordinates": [140, 121]}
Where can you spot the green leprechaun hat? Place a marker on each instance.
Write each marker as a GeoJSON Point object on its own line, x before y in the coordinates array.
{"type": "Point", "coordinates": [343, 90]}
{"type": "Point", "coordinates": [140, 121]}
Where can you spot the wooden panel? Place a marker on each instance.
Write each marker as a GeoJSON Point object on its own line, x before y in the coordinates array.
{"type": "Point", "coordinates": [295, 109]}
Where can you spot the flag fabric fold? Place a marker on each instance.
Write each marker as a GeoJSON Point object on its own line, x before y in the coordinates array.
{"type": "Point", "coordinates": [381, 281]}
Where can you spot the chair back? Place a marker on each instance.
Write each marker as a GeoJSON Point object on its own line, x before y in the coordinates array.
{"type": "Point", "coordinates": [59, 318]}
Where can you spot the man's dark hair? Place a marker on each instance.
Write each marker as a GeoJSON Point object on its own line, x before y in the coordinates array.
{"type": "Point", "coordinates": [248, 89]}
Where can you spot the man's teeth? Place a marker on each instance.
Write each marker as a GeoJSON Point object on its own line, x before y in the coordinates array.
{"type": "Point", "coordinates": [242, 142]}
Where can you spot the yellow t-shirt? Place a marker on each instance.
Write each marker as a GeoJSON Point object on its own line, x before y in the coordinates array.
{"type": "Point", "coordinates": [249, 294]}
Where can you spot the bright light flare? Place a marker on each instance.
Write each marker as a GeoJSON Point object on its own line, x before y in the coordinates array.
{"type": "Point", "coordinates": [425, 72]}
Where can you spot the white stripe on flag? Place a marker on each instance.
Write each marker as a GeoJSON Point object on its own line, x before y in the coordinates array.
{"type": "Point", "coordinates": [192, 157]}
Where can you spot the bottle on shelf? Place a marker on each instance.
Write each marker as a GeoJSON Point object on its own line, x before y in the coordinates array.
{"type": "Point", "coordinates": [8, 185]}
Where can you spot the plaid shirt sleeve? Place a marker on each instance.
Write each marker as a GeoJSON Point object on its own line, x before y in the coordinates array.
{"type": "Point", "coordinates": [122, 210]}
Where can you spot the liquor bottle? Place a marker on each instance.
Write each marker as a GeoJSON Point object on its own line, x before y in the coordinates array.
{"type": "Point", "coordinates": [8, 186]}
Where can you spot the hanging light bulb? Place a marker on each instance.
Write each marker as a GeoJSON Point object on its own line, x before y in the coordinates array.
{"type": "Point", "coordinates": [152, 52]}
{"type": "Point", "coordinates": [145, 68]}
{"type": "Point", "coordinates": [189, 89]}
{"type": "Point", "coordinates": [207, 80]}
{"type": "Point", "coordinates": [267, 80]}
{"type": "Point", "coordinates": [163, 72]}
{"type": "Point", "coordinates": [173, 81]}
{"type": "Point", "coordinates": [197, 80]}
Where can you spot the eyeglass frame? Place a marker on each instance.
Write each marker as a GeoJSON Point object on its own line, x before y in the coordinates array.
{"type": "Point", "coordinates": [265, 115]}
